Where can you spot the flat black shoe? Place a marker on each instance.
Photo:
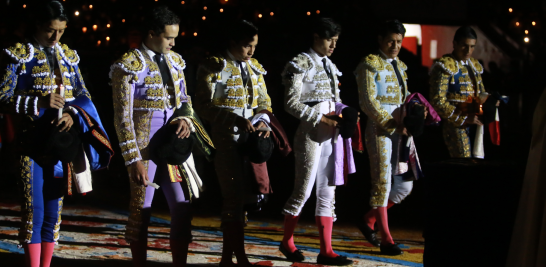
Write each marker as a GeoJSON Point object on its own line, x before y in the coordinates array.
{"type": "Point", "coordinates": [369, 234]}
{"type": "Point", "coordinates": [391, 249]}
{"type": "Point", "coordinates": [337, 261]}
{"type": "Point", "coordinates": [295, 256]}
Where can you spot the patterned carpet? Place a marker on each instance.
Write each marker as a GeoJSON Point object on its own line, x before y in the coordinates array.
{"type": "Point", "coordinates": [94, 237]}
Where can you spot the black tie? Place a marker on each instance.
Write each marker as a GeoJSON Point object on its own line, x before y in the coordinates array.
{"type": "Point", "coordinates": [400, 81]}
{"type": "Point", "coordinates": [163, 67]}
{"type": "Point", "coordinates": [49, 51]}
{"type": "Point", "coordinates": [329, 73]}
{"type": "Point", "coordinates": [244, 75]}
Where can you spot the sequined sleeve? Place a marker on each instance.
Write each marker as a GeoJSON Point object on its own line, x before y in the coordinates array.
{"type": "Point", "coordinates": [80, 89]}
{"type": "Point", "coordinates": [367, 92]}
{"type": "Point", "coordinates": [439, 82]}
{"type": "Point", "coordinates": [123, 90]}
{"type": "Point", "coordinates": [203, 102]}
{"type": "Point", "coordinates": [293, 83]}
{"type": "Point", "coordinates": [8, 73]}
{"type": "Point", "coordinates": [264, 101]}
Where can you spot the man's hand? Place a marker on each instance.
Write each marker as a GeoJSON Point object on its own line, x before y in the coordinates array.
{"type": "Point", "coordinates": [138, 173]}
{"type": "Point", "coordinates": [473, 119]}
{"type": "Point", "coordinates": [51, 101]}
{"type": "Point", "coordinates": [183, 130]}
{"type": "Point", "coordinates": [68, 122]}
{"type": "Point", "coordinates": [402, 131]}
{"type": "Point", "coordinates": [244, 125]}
{"type": "Point", "coordinates": [260, 125]}
{"type": "Point", "coordinates": [330, 120]}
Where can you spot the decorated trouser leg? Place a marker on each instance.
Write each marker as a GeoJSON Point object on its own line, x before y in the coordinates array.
{"type": "Point", "coordinates": [456, 140]}
{"type": "Point", "coordinates": [43, 201]}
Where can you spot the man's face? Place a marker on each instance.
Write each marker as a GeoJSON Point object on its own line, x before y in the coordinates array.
{"type": "Point", "coordinates": [325, 46]}
{"type": "Point", "coordinates": [49, 34]}
{"type": "Point", "coordinates": [164, 42]}
{"type": "Point", "coordinates": [244, 50]}
{"type": "Point", "coordinates": [391, 44]}
{"type": "Point", "coordinates": [464, 48]}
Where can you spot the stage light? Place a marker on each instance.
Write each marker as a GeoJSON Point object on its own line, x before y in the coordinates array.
{"type": "Point", "coordinates": [526, 32]}
{"type": "Point", "coordinates": [318, 11]}
{"type": "Point", "coordinates": [98, 42]}
{"type": "Point", "coordinates": [205, 8]}
{"type": "Point", "coordinates": [221, 10]}
{"type": "Point", "coordinates": [195, 34]}
{"type": "Point", "coordinates": [123, 21]}
{"type": "Point", "coordinates": [204, 18]}
{"type": "Point", "coordinates": [534, 23]}
{"type": "Point", "coordinates": [517, 24]}
{"type": "Point", "coordinates": [90, 6]}
{"type": "Point", "coordinates": [271, 14]}
{"type": "Point", "coordinates": [84, 29]}
{"type": "Point", "coordinates": [77, 13]}
{"type": "Point", "coordinates": [510, 10]}
{"type": "Point", "coordinates": [308, 13]}
{"type": "Point", "coordinates": [259, 15]}
{"type": "Point", "coordinates": [526, 39]}
{"type": "Point", "coordinates": [183, 33]}
{"type": "Point", "coordinates": [107, 25]}
{"type": "Point", "coordinates": [24, 6]}
{"type": "Point", "coordinates": [95, 27]}
{"type": "Point", "coordinates": [183, 2]}
{"type": "Point", "coordinates": [107, 38]}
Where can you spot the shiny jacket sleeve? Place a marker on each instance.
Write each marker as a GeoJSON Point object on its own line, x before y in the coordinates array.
{"type": "Point", "coordinates": [11, 64]}
{"type": "Point", "coordinates": [264, 101]}
{"type": "Point", "coordinates": [439, 82]}
{"type": "Point", "coordinates": [367, 93]}
{"type": "Point", "coordinates": [293, 81]}
{"type": "Point", "coordinates": [123, 91]}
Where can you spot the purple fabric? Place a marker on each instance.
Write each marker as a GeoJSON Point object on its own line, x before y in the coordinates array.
{"type": "Point", "coordinates": [340, 155]}
{"type": "Point", "coordinates": [433, 116]}
{"type": "Point", "coordinates": [179, 206]}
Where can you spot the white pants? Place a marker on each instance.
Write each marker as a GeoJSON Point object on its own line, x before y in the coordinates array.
{"type": "Point", "coordinates": [400, 189]}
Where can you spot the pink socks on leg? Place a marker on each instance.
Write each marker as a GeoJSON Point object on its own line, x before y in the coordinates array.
{"type": "Point", "coordinates": [382, 219]}
{"type": "Point", "coordinates": [47, 253]}
{"type": "Point", "coordinates": [371, 216]}
{"type": "Point", "coordinates": [325, 225]}
{"type": "Point", "coordinates": [32, 254]}
{"type": "Point", "coordinates": [290, 222]}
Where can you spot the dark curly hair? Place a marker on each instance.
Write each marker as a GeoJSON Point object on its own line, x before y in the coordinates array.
{"type": "Point", "coordinates": [391, 26]}
{"type": "Point", "coordinates": [326, 28]}
{"type": "Point", "coordinates": [242, 30]}
{"type": "Point", "coordinates": [46, 11]}
{"type": "Point", "coordinates": [157, 19]}
{"type": "Point", "coordinates": [465, 32]}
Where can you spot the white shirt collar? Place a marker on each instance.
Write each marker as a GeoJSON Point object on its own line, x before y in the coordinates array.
{"type": "Point", "coordinates": [317, 57]}
{"type": "Point", "coordinates": [243, 63]}
{"type": "Point", "coordinates": [149, 51]}
{"type": "Point", "coordinates": [388, 59]}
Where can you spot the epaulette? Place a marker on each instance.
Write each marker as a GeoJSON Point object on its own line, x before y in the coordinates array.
{"type": "Point", "coordinates": [132, 62]}
{"type": "Point", "coordinates": [477, 65]}
{"type": "Point", "coordinates": [448, 64]}
{"type": "Point", "coordinates": [20, 52]}
{"type": "Point", "coordinates": [214, 64]}
{"type": "Point", "coordinates": [257, 66]}
{"type": "Point", "coordinates": [374, 62]}
{"type": "Point", "coordinates": [69, 55]}
{"type": "Point", "coordinates": [402, 65]}
{"type": "Point", "coordinates": [300, 64]}
{"type": "Point", "coordinates": [177, 59]}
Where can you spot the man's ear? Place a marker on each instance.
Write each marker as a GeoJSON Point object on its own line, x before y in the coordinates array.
{"type": "Point", "coordinates": [151, 33]}
{"type": "Point", "coordinates": [316, 38]}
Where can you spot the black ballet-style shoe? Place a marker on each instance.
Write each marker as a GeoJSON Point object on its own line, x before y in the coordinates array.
{"type": "Point", "coordinates": [368, 233]}
{"type": "Point", "coordinates": [337, 261]}
{"type": "Point", "coordinates": [391, 249]}
{"type": "Point", "coordinates": [295, 256]}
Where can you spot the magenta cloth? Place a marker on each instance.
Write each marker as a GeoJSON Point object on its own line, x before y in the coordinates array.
{"type": "Point", "coordinates": [343, 154]}
{"type": "Point", "coordinates": [433, 116]}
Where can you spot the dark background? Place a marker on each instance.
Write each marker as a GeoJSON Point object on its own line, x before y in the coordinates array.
{"type": "Point", "coordinates": [281, 37]}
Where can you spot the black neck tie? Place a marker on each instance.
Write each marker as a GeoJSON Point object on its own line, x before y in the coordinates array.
{"type": "Point", "coordinates": [329, 73]}
{"type": "Point", "coordinates": [244, 75]}
{"type": "Point", "coordinates": [50, 52]}
{"type": "Point", "coordinates": [163, 67]}
{"type": "Point", "coordinates": [400, 81]}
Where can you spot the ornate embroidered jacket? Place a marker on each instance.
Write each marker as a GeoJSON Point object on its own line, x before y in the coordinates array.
{"type": "Point", "coordinates": [306, 81]}
{"type": "Point", "coordinates": [221, 93]}
{"type": "Point", "coordinates": [138, 91]}
{"type": "Point", "coordinates": [451, 84]}
{"type": "Point", "coordinates": [381, 87]}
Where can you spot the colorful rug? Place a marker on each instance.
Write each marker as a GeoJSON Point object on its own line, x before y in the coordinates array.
{"type": "Point", "coordinates": [93, 234]}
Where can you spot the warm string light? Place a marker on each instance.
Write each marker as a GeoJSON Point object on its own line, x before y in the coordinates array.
{"type": "Point", "coordinates": [98, 42]}
{"type": "Point", "coordinates": [221, 10]}
{"type": "Point", "coordinates": [195, 34]}
{"type": "Point", "coordinates": [308, 13]}
{"type": "Point", "coordinates": [123, 21]}
{"type": "Point", "coordinates": [526, 39]}
{"type": "Point", "coordinates": [526, 32]}
{"type": "Point", "coordinates": [107, 38]}
{"type": "Point", "coordinates": [204, 18]}
{"type": "Point", "coordinates": [183, 2]}
{"type": "Point", "coordinates": [24, 6]}
{"type": "Point", "coordinates": [84, 29]}
{"type": "Point", "coordinates": [183, 33]}
{"type": "Point", "coordinates": [517, 24]}
{"type": "Point", "coordinates": [205, 8]}
{"type": "Point", "coordinates": [90, 6]}
{"type": "Point", "coordinates": [77, 13]}
{"type": "Point", "coordinates": [107, 25]}
{"type": "Point", "coordinates": [510, 10]}
{"type": "Point", "coordinates": [271, 14]}
{"type": "Point", "coordinates": [95, 27]}
{"type": "Point", "coordinates": [259, 15]}
{"type": "Point", "coordinates": [318, 11]}
{"type": "Point", "coordinates": [534, 23]}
